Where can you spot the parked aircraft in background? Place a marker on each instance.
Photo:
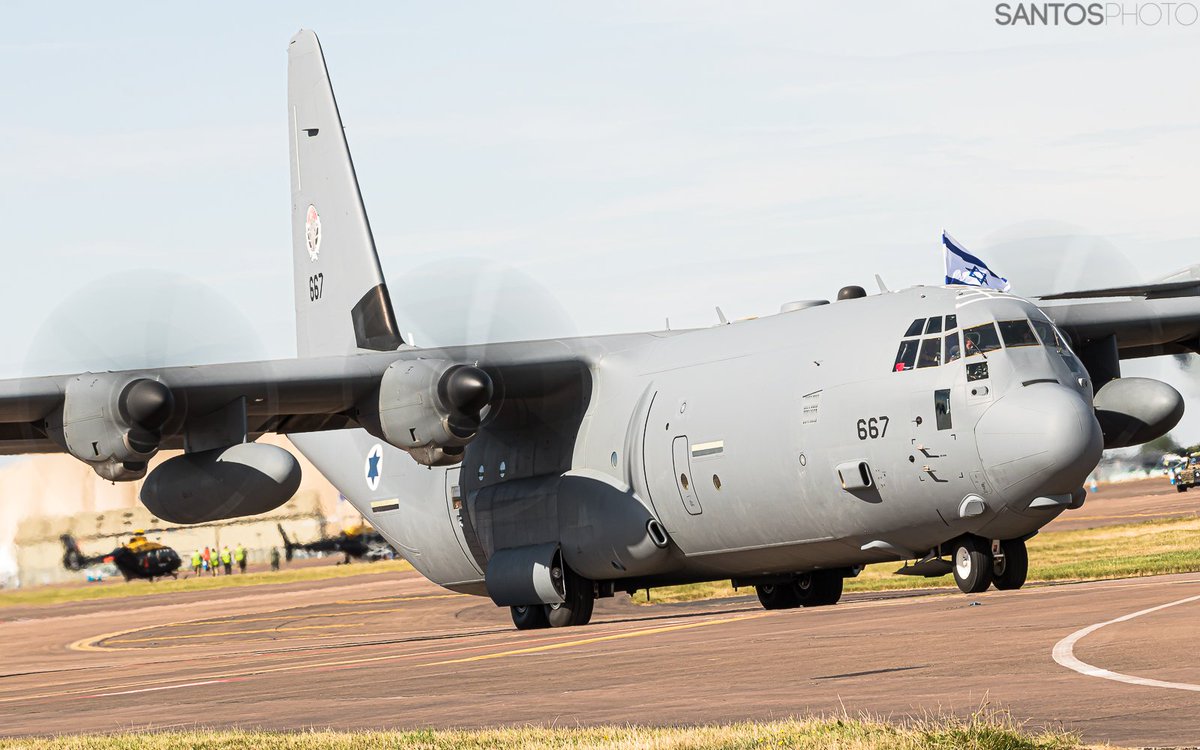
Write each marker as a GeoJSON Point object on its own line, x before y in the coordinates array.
{"type": "Point", "coordinates": [359, 541]}
{"type": "Point", "coordinates": [137, 558]}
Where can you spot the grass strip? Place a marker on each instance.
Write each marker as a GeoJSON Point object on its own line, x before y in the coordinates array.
{"type": "Point", "coordinates": [117, 589]}
{"type": "Point", "coordinates": [1146, 548]}
{"type": "Point", "coordinates": [985, 730]}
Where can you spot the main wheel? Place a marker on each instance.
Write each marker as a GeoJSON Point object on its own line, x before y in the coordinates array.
{"type": "Point", "coordinates": [1009, 572]}
{"type": "Point", "coordinates": [818, 588]}
{"type": "Point", "coordinates": [777, 596]}
{"type": "Point", "coordinates": [530, 617]}
{"type": "Point", "coordinates": [577, 609]}
{"type": "Point", "coordinates": [972, 564]}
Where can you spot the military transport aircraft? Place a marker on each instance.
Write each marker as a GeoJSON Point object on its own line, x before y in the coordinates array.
{"type": "Point", "coordinates": [942, 426]}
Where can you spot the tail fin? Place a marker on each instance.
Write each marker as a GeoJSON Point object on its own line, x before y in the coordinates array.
{"type": "Point", "coordinates": [73, 558]}
{"type": "Point", "coordinates": [342, 302]}
{"type": "Point", "coordinates": [288, 547]}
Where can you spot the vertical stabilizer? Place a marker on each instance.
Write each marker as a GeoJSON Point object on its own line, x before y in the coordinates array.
{"type": "Point", "coordinates": [342, 302]}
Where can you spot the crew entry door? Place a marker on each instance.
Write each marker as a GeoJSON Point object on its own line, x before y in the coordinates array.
{"type": "Point", "coordinates": [681, 459]}
{"type": "Point", "coordinates": [458, 519]}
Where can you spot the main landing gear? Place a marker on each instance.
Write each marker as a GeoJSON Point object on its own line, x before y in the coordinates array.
{"type": "Point", "coordinates": [575, 610]}
{"type": "Point", "coordinates": [979, 563]}
{"type": "Point", "coordinates": [816, 589]}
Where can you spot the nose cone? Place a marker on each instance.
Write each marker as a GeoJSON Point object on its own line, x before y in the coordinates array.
{"type": "Point", "coordinates": [1041, 439]}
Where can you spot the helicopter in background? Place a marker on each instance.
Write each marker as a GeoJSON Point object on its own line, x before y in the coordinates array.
{"type": "Point", "coordinates": [360, 541]}
{"type": "Point", "coordinates": [137, 558]}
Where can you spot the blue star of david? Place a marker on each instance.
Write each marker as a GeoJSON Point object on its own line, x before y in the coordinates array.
{"type": "Point", "coordinates": [373, 469]}
{"type": "Point", "coordinates": [977, 274]}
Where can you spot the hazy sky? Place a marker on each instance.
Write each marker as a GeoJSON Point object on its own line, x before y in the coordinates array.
{"type": "Point", "coordinates": [536, 169]}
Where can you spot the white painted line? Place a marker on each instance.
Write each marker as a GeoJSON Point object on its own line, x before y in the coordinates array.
{"type": "Point", "coordinates": [153, 689]}
{"type": "Point", "coordinates": [1064, 653]}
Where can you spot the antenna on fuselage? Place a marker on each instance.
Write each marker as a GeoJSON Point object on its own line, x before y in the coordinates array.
{"type": "Point", "coordinates": [882, 286]}
{"type": "Point", "coordinates": [721, 317]}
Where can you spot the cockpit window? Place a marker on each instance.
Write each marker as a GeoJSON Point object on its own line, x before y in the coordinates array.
{"type": "Point", "coordinates": [981, 339]}
{"type": "Point", "coordinates": [931, 353]}
{"type": "Point", "coordinates": [906, 356]}
{"type": "Point", "coordinates": [934, 325]}
{"type": "Point", "coordinates": [1017, 333]}
{"type": "Point", "coordinates": [1047, 334]}
{"type": "Point", "coordinates": [951, 322]}
{"type": "Point", "coordinates": [953, 351]}
{"type": "Point", "coordinates": [915, 328]}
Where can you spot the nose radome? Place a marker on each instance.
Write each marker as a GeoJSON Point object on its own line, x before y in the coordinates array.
{"type": "Point", "coordinates": [1040, 439]}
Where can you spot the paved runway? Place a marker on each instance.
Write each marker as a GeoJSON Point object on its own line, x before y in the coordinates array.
{"type": "Point", "coordinates": [392, 650]}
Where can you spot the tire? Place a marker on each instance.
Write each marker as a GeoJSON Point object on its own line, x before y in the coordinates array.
{"type": "Point", "coordinates": [1009, 574]}
{"type": "Point", "coordinates": [531, 617]}
{"type": "Point", "coordinates": [819, 588]}
{"type": "Point", "coordinates": [972, 565]}
{"type": "Point", "coordinates": [1180, 488]}
{"type": "Point", "coordinates": [577, 609]}
{"type": "Point", "coordinates": [777, 596]}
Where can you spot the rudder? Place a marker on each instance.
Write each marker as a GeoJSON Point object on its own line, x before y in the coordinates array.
{"type": "Point", "coordinates": [342, 301]}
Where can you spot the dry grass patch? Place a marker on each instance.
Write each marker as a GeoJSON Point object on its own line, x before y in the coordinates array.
{"type": "Point", "coordinates": [983, 731]}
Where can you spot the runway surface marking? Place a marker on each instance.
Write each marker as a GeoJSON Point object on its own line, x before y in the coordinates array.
{"type": "Point", "coordinates": [595, 639]}
{"type": "Point", "coordinates": [152, 689]}
{"type": "Point", "coordinates": [171, 682]}
{"type": "Point", "coordinates": [1064, 652]}
{"type": "Point", "coordinates": [93, 643]}
{"type": "Point", "coordinates": [331, 626]}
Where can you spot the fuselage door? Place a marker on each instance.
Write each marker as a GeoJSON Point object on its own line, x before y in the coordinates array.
{"type": "Point", "coordinates": [681, 458]}
{"type": "Point", "coordinates": [455, 506]}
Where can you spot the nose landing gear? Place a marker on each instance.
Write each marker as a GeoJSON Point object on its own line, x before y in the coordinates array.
{"type": "Point", "coordinates": [979, 564]}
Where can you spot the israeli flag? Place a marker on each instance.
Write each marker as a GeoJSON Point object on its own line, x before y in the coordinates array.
{"type": "Point", "coordinates": [964, 268]}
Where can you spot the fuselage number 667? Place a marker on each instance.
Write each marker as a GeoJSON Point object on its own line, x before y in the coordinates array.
{"type": "Point", "coordinates": [872, 427]}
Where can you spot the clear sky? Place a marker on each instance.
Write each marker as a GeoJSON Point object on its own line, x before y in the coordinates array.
{"type": "Point", "coordinates": [536, 169]}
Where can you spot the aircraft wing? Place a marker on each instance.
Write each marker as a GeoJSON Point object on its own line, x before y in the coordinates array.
{"type": "Point", "coordinates": [1145, 320]}
{"type": "Point", "coordinates": [282, 396]}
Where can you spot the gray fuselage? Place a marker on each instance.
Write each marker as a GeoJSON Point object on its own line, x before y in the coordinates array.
{"type": "Point", "coordinates": [789, 443]}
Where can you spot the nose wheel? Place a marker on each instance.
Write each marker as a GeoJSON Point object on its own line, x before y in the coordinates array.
{"type": "Point", "coordinates": [1010, 569]}
{"type": "Point", "coordinates": [973, 564]}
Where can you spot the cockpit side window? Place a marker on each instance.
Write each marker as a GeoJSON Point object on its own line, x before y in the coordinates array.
{"type": "Point", "coordinates": [934, 325]}
{"type": "Point", "coordinates": [953, 351]}
{"type": "Point", "coordinates": [915, 328]}
{"type": "Point", "coordinates": [906, 356]}
{"type": "Point", "coordinates": [980, 339]}
{"type": "Point", "coordinates": [931, 353]}
{"type": "Point", "coordinates": [1047, 334]}
{"type": "Point", "coordinates": [951, 322]}
{"type": "Point", "coordinates": [1017, 333]}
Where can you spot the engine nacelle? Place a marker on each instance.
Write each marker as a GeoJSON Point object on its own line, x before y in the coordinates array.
{"type": "Point", "coordinates": [113, 422]}
{"type": "Point", "coordinates": [222, 483]}
{"type": "Point", "coordinates": [430, 408]}
{"type": "Point", "coordinates": [1132, 411]}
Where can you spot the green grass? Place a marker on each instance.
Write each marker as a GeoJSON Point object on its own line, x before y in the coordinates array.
{"type": "Point", "coordinates": [984, 731]}
{"type": "Point", "coordinates": [1148, 548]}
{"type": "Point", "coordinates": [115, 588]}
